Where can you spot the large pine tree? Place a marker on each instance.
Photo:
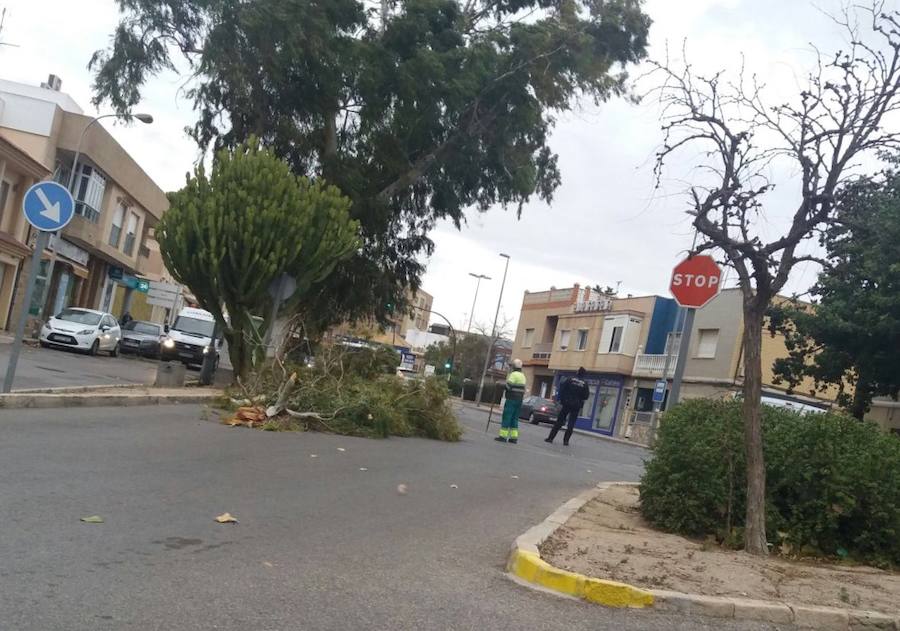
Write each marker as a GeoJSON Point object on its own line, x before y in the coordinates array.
{"type": "Point", "coordinates": [416, 110]}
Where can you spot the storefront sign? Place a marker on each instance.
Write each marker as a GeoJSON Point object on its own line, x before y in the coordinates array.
{"type": "Point", "coordinates": [69, 250]}
{"type": "Point", "coordinates": [597, 304]}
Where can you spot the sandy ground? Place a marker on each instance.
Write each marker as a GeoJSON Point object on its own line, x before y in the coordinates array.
{"type": "Point", "coordinates": [609, 539]}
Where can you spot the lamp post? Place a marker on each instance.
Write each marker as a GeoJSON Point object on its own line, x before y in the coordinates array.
{"type": "Point", "coordinates": [487, 358]}
{"type": "Point", "coordinates": [477, 285]}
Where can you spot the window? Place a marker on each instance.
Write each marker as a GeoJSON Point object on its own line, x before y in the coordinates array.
{"type": "Point", "coordinates": [564, 339]}
{"type": "Point", "coordinates": [4, 196]}
{"type": "Point", "coordinates": [115, 232]}
{"type": "Point", "coordinates": [707, 340]}
{"type": "Point", "coordinates": [529, 338]}
{"type": "Point", "coordinates": [89, 189]}
{"type": "Point", "coordinates": [673, 344]}
{"type": "Point", "coordinates": [581, 340]}
{"type": "Point", "coordinates": [130, 234]}
{"type": "Point", "coordinates": [615, 341]}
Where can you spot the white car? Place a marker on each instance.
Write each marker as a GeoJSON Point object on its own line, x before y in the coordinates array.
{"type": "Point", "coordinates": [82, 329]}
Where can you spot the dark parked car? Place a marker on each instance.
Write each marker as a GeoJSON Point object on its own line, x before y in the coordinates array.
{"type": "Point", "coordinates": [537, 409]}
{"type": "Point", "coordinates": [141, 338]}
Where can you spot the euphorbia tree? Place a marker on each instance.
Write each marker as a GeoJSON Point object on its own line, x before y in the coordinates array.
{"type": "Point", "coordinates": [228, 234]}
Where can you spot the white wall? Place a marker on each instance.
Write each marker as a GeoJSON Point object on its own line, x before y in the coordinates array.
{"type": "Point", "coordinates": [423, 339]}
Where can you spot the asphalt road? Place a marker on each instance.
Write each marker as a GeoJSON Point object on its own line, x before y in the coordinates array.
{"type": "Point", "coordinates": [51, 368]}
{"type": "Point", "coordinates": [322, 543]}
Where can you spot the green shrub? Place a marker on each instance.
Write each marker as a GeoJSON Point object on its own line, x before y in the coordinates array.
{"type": "Point", "coordinates": [833, 483]}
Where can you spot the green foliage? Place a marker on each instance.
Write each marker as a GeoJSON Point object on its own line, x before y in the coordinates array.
{"type": "Point", "coordinates": [371, 362]}
{"type": "Point", "coordinates": [469, 357]}
{"type": "Point", "coordinates": [227, 235]}
{"type": "Point", "coordinates": [444, 106]}
{"type": "Point", "coordinates": [833, 484]}
{"type": "Point", "coordinates": [850, 338]}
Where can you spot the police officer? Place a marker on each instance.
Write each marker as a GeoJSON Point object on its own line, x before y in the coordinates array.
{"type": "Point", "coordinates": [515, 392]}
{"type": "Point", "coordinates": [572, 395]}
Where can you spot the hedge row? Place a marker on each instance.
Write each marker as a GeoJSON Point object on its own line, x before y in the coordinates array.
{"type": "Point", "coordinates": [833, 483]}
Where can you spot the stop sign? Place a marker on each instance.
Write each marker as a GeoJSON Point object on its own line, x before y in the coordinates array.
{"type": "Point", "coordinates": [695, 281]}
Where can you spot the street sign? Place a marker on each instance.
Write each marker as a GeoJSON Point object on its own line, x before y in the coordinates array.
{"type": "Point", "coordinates": [282, 287]}
{"type": "Point", "coordinates": [659, 391]}
{"type": "Point", "coordinates": [429, 370]}
{"type": "Point", "coordinates": [161, 286]}
{"type": "Point", "coordinates": [162, 295]}
{"type": "Point", "coordinates": [143, 285]}
{"type": "Point", "coordinates": [695, 281]}
{"type": "Point", "coordinates": [139, 284]}
{"type": "Point", "coordinates": [48, 206]}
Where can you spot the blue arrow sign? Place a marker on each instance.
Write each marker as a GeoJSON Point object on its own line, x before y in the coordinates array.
{"type": "Point", "coordinates": [48, 206]}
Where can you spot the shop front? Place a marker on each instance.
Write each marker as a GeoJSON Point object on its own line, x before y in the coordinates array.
{"type": "Point", "coordinates": [600, 412]}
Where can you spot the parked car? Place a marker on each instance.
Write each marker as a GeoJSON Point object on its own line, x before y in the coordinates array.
{"type": "Point", "coordinates": [141, 338]}
{"type": "Point", "coordinates": [537, 409]}
{"type": "Point", "coordinates": [82, 329]}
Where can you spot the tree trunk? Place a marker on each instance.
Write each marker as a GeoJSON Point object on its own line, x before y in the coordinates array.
{"type": "Point", "coordinates": [861, 397]}
{"type": "Point", "coordinates": [755, 522]}
{"type": "Point", "coordinates": [237, 351]}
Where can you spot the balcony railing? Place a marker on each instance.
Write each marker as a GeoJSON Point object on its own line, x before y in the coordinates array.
{"type": "Point", "coordinates": [542, 350]}
{"type": "Point", "coordinates": [653, 365]}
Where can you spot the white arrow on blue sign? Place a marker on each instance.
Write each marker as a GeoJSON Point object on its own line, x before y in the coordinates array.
{"type": "Point", "coordinates": [659, 391]}
{"type": "Point", "coordinates": [48, 206]}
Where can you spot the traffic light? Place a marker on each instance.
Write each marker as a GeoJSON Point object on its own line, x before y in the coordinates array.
{"type": "Point", "coordinates": [448, 364]}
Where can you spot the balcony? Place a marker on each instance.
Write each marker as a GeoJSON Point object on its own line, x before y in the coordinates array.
{"type": "Point", "coordinates": [541, 352]}
{"type": "Point", "coordinates": [653, 366]}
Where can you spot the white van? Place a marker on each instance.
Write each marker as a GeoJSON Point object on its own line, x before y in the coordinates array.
{"type": "Point", "coordinates": [189, 337]}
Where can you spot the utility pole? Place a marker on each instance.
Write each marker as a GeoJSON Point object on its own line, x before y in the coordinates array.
{"type": "Point", "coordinates": [487, 357]}
{"type": "Point", "coordinates": [477, 285]}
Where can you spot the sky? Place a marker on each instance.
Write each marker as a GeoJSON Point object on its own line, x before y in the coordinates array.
{"type": "Point", "coordinates": [607, 224]}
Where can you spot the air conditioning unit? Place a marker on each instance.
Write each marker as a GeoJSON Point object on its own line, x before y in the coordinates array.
{"type": "Point", "coordinates": [52, 83]}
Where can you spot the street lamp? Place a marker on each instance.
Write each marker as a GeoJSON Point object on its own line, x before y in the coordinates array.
{"type": "Point", "coordinates": [477, 285]}
{"type": "Point", "coordinates": [144, 118]}
{"type": "Point", "coordinates": [487, 357]}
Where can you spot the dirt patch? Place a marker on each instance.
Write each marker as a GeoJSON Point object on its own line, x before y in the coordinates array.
{"type": "Point", "coordinates": [608, 538]}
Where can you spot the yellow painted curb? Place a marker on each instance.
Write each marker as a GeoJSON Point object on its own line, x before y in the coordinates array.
{"type": "Point", "coordinates": [530, 567]}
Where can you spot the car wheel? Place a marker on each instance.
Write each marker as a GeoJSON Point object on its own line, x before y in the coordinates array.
{"type": "Point", "coordinates": [533, 420]}
{"type": "Point", "coordinates": [94, 348]}
{"type": "Point", "coordinates": [115, 351]}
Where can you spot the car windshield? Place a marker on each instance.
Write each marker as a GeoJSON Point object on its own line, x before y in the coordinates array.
{"type": "Point", "coordinates": [545, 402]}
{"type": "Point", "coordinates": [79, 317]}
{"type": "Point", "coordinates": [193, 326]}
{"type": "Point", "coordinates": [147, 328]}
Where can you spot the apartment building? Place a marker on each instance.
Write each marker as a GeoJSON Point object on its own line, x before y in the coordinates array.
{"type": "Point", "coordinates": [414, 317]}
{"type": "Point", "coordinates": [561, 330]}
{"type": "Point", "coordinates": [628, 344]}
{"type": "Point", "coordinates": [116, 202]}
{"type": "Point", "coordinates": [18, 171]}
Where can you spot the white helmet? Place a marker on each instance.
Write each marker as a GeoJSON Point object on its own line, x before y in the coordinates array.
{"type": "Point", "coordinates": [517, 363]}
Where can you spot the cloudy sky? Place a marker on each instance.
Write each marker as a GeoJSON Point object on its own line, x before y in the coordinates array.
{"type": "Point", "coordinates": [607, 223]}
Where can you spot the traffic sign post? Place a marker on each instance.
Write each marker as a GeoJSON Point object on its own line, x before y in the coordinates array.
{"type": "Point", "coordinates": [48, 207]}
{"type": "Point", "coordinates": [695, 281]}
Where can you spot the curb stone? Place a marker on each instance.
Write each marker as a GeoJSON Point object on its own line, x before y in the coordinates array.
{"type": "Point", "coordinates": [59, 400]}
{"type": "Point", "coordinates": [526, 566]}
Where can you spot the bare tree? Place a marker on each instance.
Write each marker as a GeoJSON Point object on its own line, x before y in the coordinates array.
{"type": "Point", "coordinates": [838, 118]}
{"type": "Point", "coordinates": [492, 335]}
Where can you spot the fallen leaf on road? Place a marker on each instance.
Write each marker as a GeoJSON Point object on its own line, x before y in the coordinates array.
{"type": "Point", "coordinates": [313, 455]}
{"type": "Point", "coordinates": [401, 489]}
{"type": "Point", "coordinates": [226, 518]}
{"type": "Point", "coordinates": [341, 449]}
{"type": "Point", "coordinates": [589, 471]}
{"type": "Point", "coordinates": [267, 564]}
{"type": "Point", "coordinates": [514, 477]}
{"type": "Point", "coordinates": [363, 469]}
{"type": "Point", "coordinates": [93, 519]}
{"type": "Point", "coordinates": [453, 486]}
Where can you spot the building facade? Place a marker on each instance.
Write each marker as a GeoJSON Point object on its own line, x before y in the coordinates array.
{"type": "Point", "coordinates": [117, 204]}
{"type": "Point", "coordinates": [627, 345]}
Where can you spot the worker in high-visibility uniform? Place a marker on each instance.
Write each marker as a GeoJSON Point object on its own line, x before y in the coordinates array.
{"type": "Point", "coordinates": [515, 392]}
